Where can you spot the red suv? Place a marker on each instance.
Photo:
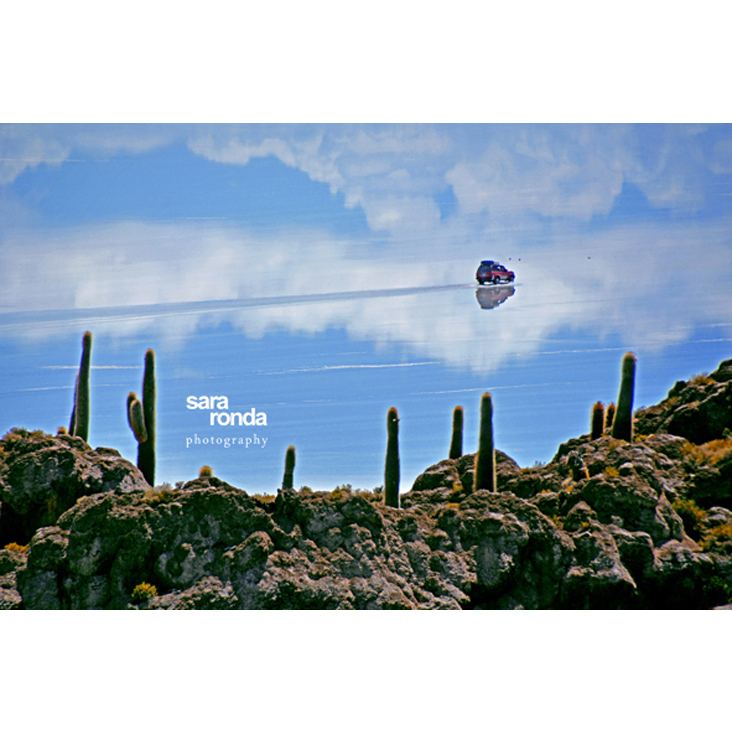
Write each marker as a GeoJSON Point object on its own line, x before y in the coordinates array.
{"type": "Point", "coordinates": [490, 271]}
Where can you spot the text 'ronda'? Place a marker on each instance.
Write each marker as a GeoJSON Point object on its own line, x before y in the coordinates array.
{"type": "Point", "coordinates": [222, 416]}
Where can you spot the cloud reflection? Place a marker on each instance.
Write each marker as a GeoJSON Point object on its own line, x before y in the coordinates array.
{"type": "Point", "coordinates": [172, 280]}
{"type": "Point", "coordinates": [540, 196]}
{"type": "Point", "coordinates": [491, 296]}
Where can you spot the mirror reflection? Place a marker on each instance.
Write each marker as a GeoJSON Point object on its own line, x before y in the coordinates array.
{"type": "Point", "coordinates": [492, 296]}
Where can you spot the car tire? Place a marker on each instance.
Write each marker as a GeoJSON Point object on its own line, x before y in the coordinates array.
{"type": "Point", "coordinates": [496, 280]}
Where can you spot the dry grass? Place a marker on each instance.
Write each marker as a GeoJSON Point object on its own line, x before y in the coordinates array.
{"type": "Point", "coordinates": [710, 453]}
{"type": "Point", "coordinates": [15, 547]}
{"type": "Point", "coordinates": [692, 516]}
{"type": "Point", "coordinates": [716, 537]}
{"type": "Point", "coordinates": [153, 497]}
{"type": "Point", "coordinates": [702, 379]}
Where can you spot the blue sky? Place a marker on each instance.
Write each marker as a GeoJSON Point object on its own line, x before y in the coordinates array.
{"type": "Point", "coordinates": [323, 273]}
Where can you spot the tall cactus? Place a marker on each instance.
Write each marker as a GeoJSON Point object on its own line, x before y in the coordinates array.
{"type": "Point", "coordinates": [81, 410]}
{"type": "Point", "coordinates": [609, 416]}
{"type": "Point", "coordinates": [288, 477]}
{"type": "Point", "coordinates": [598, 420]}
{"type": "Point", "coordinates": [485, 460]}
{"type": "Point", "coordinates": [142, 417]}
{"type": "Point", "coordinates": [623, 422]}
{"type": "Point", "coordinates": [391, 466]}
{"type": "Point", "coordinates": [456, 442]}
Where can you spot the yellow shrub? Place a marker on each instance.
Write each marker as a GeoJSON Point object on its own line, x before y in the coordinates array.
{"type": "Point", "coordinates": [702, 379]}
{"type": "Point", "coordinates": [716, 536]}
{"type": "Point", "coordinates": [14, 547]}
{"type": "Point", "coordinates": [558, 521]}
{"type": "Point", "coordinates": [144, 591]}
{"type": "Point", "coordinates": [691, 515]}
{"type": "Point", "coordinates": [710, 453]}
{"type": "Point", "coordinates": [152, 497]}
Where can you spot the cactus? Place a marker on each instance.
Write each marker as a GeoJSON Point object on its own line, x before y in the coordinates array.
{"type": "Point", "coordinates": [623, 422]}
{"type": "Point", "coordinates": [141, 418]}
{"type": "Point", "coordinates": [485, 460]}
{"type": "Point", "coordinates": [206, 472]}
{"type": "Point", "coordinates": [80, 412]}
{"type": "Point", "coordinates": [598, 420]}
{"type": "Point", "coordinates": [609, 416]}
{"type": "Point", "coordinates": [287, 479]}
{"type": "Point", "coordinates": [391, 466]}
{"type": "Point", "coordinates": [135, 418]}
{"type": "Point", "coordinates": [146, 450]}
{"type": "Point", "coordinates": [456, 443]}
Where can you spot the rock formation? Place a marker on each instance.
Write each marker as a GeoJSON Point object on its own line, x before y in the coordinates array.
{"type": "Point", "coordinates": [605, 524]}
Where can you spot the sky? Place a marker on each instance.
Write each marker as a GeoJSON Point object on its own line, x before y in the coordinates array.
{"type": "Point", "coordinates": [321, 273]}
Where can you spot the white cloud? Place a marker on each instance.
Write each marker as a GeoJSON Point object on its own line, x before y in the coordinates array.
{"type": "Point", "coordinates": [644, 284]}
{"type": "Point", "coordinates": [234, 151]}
{"type": "Point", "coordinates": [496, 171]}
{"type": "Point", "coordinates": [20, 151]}
{"type": "Point", "coordinates": [565, 172]}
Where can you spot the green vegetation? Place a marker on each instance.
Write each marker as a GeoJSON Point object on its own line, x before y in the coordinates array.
{"type": "Point", "coordinates": [143, 591]}
{"type": "Point", "coordinates": [692, 516]}
{"type": "Point", "coordinates": [717, 591]}
{"type": "Point", "coordinates": [710, 538]}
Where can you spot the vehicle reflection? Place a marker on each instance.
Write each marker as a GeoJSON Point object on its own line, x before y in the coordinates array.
{"type": "Point", "coordinates": [491, 296]}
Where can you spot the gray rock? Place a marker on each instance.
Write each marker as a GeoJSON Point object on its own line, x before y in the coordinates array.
{"type": "Point", "coordinates": [41, 476]}
{"type": "Point", "coordinates": [594, 528]}
{"type": "Point", "coordinates": [209, 593]}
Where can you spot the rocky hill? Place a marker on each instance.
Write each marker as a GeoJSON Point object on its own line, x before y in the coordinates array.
{"type": "Point", "coordinates": [606, 524]}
